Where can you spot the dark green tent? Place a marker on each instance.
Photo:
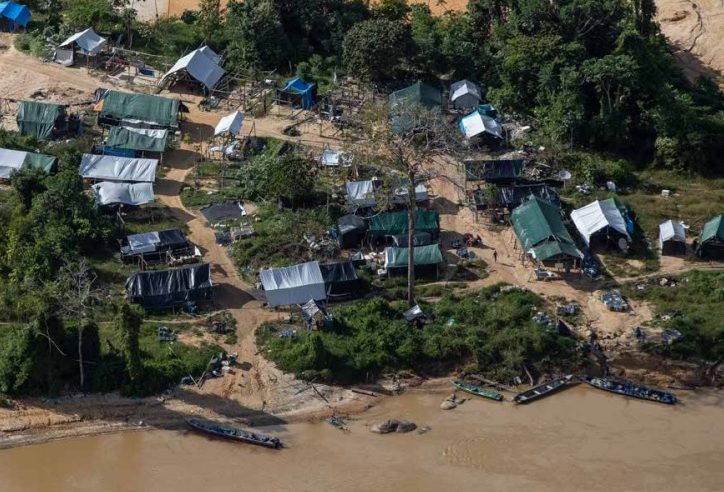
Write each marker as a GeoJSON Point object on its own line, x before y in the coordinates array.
{"type": "Point", "coordinates": [43, 162]}
{"type": "Point", "coordinates": [541, 231]}
{"type": "Point", "coordinates": [711, 240]}
{"type": "Point", "coordinates": [418, 93]}
{"type": "Point", "coordinates": [39, 119]}
{"type": "Point", "coordinates": [156, 111]}
{"type": "Point", "coordinates": [424, 255]}
{"type": "Point", "coordinates": [395, 223]}
{"type": "Point", "coordinates": [137, 139]}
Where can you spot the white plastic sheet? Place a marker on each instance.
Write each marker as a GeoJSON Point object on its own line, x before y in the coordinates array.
{"type": "Point", "coordinates": [114, 168]}
{"type": "Point", "coordinates": [295, 284]}
{"type": "Point", "coordinates": [109, 193]}
{"type": "Point", "coordinates": [597, 215]}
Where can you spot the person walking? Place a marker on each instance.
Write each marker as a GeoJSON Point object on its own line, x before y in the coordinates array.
{"type": "Point", "coordinates": [495, 256]}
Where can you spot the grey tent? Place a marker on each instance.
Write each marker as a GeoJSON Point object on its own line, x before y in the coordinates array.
{"type": "Point", "coordinates": [294, 284]}
{"type": "Point", "coordinates": [114, 168]}
{"type": "Point", "coordinates": [602, 221]}
{"type": "Point", "coordinates": [201, 65]}
{"type": "Point", "coordinates": [154, 245]}
{"type": "Point", "coordinates": [110, 193]}
{"type": "Point", "coordinates": [672, 238]}
{"type": "Point", "coordinates": [351, 230]}
{"type": "Point", "coordinates": [465, 95]}
{"type": "Point", "coordinates": [340, 278]}
{"type": "Point", "coordinates": [14, 160]}
{"type": "Point", "coordinates": [168, 288]}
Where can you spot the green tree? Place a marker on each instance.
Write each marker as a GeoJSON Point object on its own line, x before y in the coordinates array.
{"type": "Point", "coordinates": [374, 50]}
{"type": "Point", "coordinates": [209, 19]}
{"type": "Point", "coordinates": [81, 14]}
{"type": "Point", "coordinates": [128, 323]}
{"type": "Point", "coordinates": [393, 10]}
{"type": "Point", "coordinates": [256, 36]}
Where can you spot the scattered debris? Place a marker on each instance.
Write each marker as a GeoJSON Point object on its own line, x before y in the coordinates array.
{"type": "Point", "coordinates": [614, 301]}
{"type": "Point", "coordinates": [394, 425]}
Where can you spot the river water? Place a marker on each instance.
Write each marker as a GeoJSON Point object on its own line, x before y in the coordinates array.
{"type": "Point", "coordinates": [580, 439]}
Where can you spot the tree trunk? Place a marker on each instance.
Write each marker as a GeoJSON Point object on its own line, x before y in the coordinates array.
{"type": "Point", "coordinates": [80, 357]}
{"type": "Point", "coordinates": [411, 216]}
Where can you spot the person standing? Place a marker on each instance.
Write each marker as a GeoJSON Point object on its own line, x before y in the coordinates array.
{"type": "Point", "coordinates": [495, 256]}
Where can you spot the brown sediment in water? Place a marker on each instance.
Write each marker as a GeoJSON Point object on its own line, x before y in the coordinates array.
{"type": "Point", "coordinates": [579, 439]}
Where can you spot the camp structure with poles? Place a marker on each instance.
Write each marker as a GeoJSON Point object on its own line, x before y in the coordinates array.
{"type": "Point", "coordinates": [418, 93]}
{"type": "Point", "coordinates": [386, 225]}
{"type": "Point", "coordinates": [165, 289]}
{"type": "Point", "coordinates": [465, 95]}
{"type": "Point", "coordinates": [127, 141]}
{"type": "Point", "coordinates": [119, 169]}
{"type": "Point", "coordinates": [13, 16]}
{"type": "Point", "coordinates": [297, 93]}
{"type": "Point", "coordinates": [43, 121]}
{"type": "Point", "coordinates": [427, 260]}
{"type": "Point", "coordinates": [294, 284]}
{"type": "Point", "coordinates": [710, 245]}
{"type": "Point", "coordinates": [138, 110]}
{"type": "Point", "coordinates": [156, 247]}
{"type": "Point", "coordinates": [87, 42]}
{"type": "Point", "coordinates": [15, 160]}
{"type": "Point", "coordinates": [672, 238]}
{"type": "Point", "coordinates": [114, 194]}
{"type": "Point", "coordinates": [200, 67]}
{"type": "Point", "coordinates": [602, 224]}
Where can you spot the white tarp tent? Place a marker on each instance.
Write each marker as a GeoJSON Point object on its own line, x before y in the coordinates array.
{"type": "Point", "coordinates": [335, 158]}
{"type": "Point", "coordinates": [598, 215]}
{"type": "Point", "coordinates": [465, 95]}
{"type": "Point", "coordinates": [110, 193]}
{"type": "Point", "coordinates": [401, 194]}
{"type": "Point", "coordinates": [296, 284]}
{"type": "Point", "coordinates": [11, 160]}
{"type": "Point", "coordinates": [114, 168]}
{"type": "Point", "coordinates": [88, 41]}
{"type": "Point", "coordinates": [476, 123]}
{"type": "Point", "coordinates": [671, 230]}
{"type": "Point", "coordinates": [230, 123]}
{"type": "Point", "coordinates": [201, 64]}
{"type": "Point", "coordinates": [361, 193]}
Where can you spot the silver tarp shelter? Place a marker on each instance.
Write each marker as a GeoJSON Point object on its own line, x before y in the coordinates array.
{"type": "Point", "coordinates": [88, 41]}
{"type": "Point", "coordinates": [295, 284]}
{"type": "Point", "coordinates": [14, 160]}
{"type": "Point", "coordinates": [202, 65]}
{"type": "Point", "coordinates": [114, 168]}
{"type": "Point", "coordinates": [598, 216]}
{"type": "Point", "coordinates": [465, 95]}
{"type": "Point", "coordinates": [335, 158]}
{"type": "Point", "coordinates": [230, 124]}
{"type": "Point", "coordinates": [110, 193]}
{"type": "Point", "coordinates": [672, 238]}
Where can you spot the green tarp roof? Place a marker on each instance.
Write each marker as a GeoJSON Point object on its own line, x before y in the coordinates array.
{"type": "Point", "coordinates": [137, 139]}
{"type": "Point", "coordinates": [417, 93]}
{"type": "Point", "coordinates": [43, 162]}
{"type": "Point", "coordinates": [156, 110]}
{"type": "Point", "coordinates": [394, 223]}
{"type": "Point", "coordinates": [38, 119]}
{"type": "Point", "coordinates": [713, 229]}
{"type": "Point", "coordinates": [537, 224]}
{"type": "Point", "coordinates": [424, 255]}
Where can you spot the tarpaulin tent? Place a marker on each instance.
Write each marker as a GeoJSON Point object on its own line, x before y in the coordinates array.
{"type": "Point", "coordinates": [154, 244]}
{"type": "Point", "coordinates": [114, 168]}
{"type": "Point", "coordinates": [202, 65]}
{"type": "Point", "coordinates": [465, 94]}
{"type": "Point", "coordinates": [494, 171]}
{"type": "Point", "coordinates": [352, 230]}
{"type": "Point", "coordinates": [476, 123]}
{"type": "Point", "coordinates": [672, 238]}
{"type": "Point", "coordinates": [223, 211]}
{"type": "Point", "coordinates": [424, 256]}
{"type": "Point", "coordinates": [419, 239]}
{"type": "Point", "coordinates": [141, 139]}
{"type": "Point", "coordinates": [299, 93]}
{"type": "Point", "coordinates": [88, 41]}
{"type": "Point", "coordinates": [14, 160]}
{"type": "Point", "coordinates": [138, 109]}
{"type": "Point", "coordinates": [295, 284]}
{"type": "Point", "coordinates": [335, 158]}
{"type": "Point", "coordinates": [340, 278]}
{"type": "Point", "coordinates": [361, 193]}
{"type": "Point", "coordinates": [399, 196]}
{"type": "Point", "coordinates": [601, 221]}
{"type": "Point", "coordinates": [230, 124]}
{"type": "Point", "coordinates": [168, 288]}
{"type": "Point", "coordinates": [541, 232]}
{"type": "Point", "coordinates": [711, 240]}
{"type": "Point", "coordinates": [112, 193]}
{"type": "Point", "coordinates": [39, 119]}
{"type": "Point", "coordinates": [513, 196]}
{"type": "Point", "coordinates": [395, 223]}
{"type": "Point", "coordinates": [14, 15]}
{"type": "Point", "coordinates": [416, 94]}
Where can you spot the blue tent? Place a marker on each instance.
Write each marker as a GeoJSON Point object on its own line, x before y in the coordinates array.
{"type": "Point", "coordinates": [306, 89]}
{"type": "Point", "coordinates": [18, 14]}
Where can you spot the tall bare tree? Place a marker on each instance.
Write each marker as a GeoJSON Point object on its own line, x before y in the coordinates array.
{"type": "Point", "coordinates": [79, 298]}
{"type": "Point", "coordinates": [405, 141]}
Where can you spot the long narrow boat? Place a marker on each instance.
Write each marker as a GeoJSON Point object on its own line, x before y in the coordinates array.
{"type": "Point", "coordinates": [478, 391]}
{"type": "Point", "coordinates": [235, 433]}
{"type": "Point", "coordinates": [627, 388]}
{"type": "Point", "coordinates": [542, 390]}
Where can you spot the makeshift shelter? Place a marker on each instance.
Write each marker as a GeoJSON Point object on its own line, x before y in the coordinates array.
{"type": "Point", "coordinates": [425, 258]}
{"type": "Point", "coordinates": [88, 41]}
{"type": "Point", "coordinates": [138, 110]}
{"type": "Point", "coordinates": [512, 196]}
{"type": "Point", "coordinates": [340, 279]}
{"type": "Point", "coordinates": [711, 241]}
{"type": "Point", "coordinates": [295, 284]}
{"type": "Point", "coordinates": [230, 124]}
{"type": "Point", "coordinates": [465, 95]}
{"type": "Point", "coordinates": [395, 223]}
{"type": "Point", "coordinates": [335, 158]}
{"type": "Point", "coordinates": [154, 246]}
{"type": "Point", "coordinates": [201, 65]}
{"type": "Point", "coordinates": [351, 231]}
{"type": "Point", "coordinates": [672, 238]}
{"type": "Point", "coordinates": [477, 123]}
{"type": "Point", "coordinates": [114, 168]}
{"type": "Point", "coordinates": [15, 160]}
{"type": "Point", "coordinates": [168, 288]}
{"type": "Point", "coordinates": [112, 193]}
{"type": "Point", "coordinates": [40, 120]}
{"type": "Point", "coordinates": [418, 239]}
{"type": "Point", "coordinates": [418, 93]}
{"type": "Point", "coordinates": [13, 15]}
{"type": "Point", "coordinates": [362, 193]}
{"type": "Point", "coordinates": [298, 93]}
{"type": "Point", "coordinates": [601, 222]}
{"type": "Point", "coordinates": [223, 211]}
{"type": "Point", "coordinates": [137, 139]}
{"type": "Point", "coordinates": [500, 171]}
{"type": "Point", "coordinates": [314, 313]}
{"type": "Point", "coordinates": [542, 234]}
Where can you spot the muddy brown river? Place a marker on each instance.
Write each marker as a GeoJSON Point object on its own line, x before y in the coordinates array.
{"type": "Point", "coordinates": [580, 439]}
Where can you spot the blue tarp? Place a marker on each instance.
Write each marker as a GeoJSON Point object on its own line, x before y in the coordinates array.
{"type": "Point", "coordinates": [17, 13]}
{"type": "Point", "coordinates": [119, 152]}
{"type": "Point", "coordinates": [298, 86]}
